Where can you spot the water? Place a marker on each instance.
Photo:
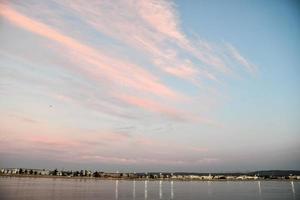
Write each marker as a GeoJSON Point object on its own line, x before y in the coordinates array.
{"type": "Point", "coordinates": [14, 188]}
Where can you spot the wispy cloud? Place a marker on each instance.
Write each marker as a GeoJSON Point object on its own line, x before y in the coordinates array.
{"type": "Point", "coordinates": [119, 72]}
{"type": "Point", "coordinates": [115, 70]}
{"type": "Point", "coordinates": [156, 31]}
{"type": "Point", "coordinates": [130, 60]}
{"type": "Point", "coordinates": [44, 140]}
{"type": "Point", "coordinates": [240, 59]}
{"type": "Point", "coordinates": [151, 27]}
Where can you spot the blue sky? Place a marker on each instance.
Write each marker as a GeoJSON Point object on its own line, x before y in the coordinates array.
{"type": "Point", "coordinates": [150, 85]}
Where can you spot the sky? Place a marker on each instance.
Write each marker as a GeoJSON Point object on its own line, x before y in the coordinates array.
{"type": "Point", "coordinates": [152, 85]}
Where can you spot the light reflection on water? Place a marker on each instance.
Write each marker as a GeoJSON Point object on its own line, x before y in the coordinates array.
{"type": "Point", "coordinates": [133, 190]}
{"type": "Point", "coordinates": [172, 190]}
{"type": "Point", "coordinates": [146, 190]}
{"type": "Point", "coordinates": [117, 189]}
{"type": "Point", "coordinates": [293, 190]}
{"type": "Point", "coordinates": [75, 189]}
{"type": "Point", "coordinates": [160, 189]}
{"type": "Point", "coordinates": [259, 189]}
{"type": "Point", "coordinates": [209, 191]}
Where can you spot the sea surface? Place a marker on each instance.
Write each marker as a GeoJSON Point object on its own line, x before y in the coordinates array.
{"type": "Point", "coordinates": [19, 188]}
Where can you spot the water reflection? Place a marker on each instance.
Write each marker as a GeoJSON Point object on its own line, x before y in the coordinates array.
{"type": "Point", "coordinates": [117, 189]}
{"type": "Point", "coordinates": [74, 189]}
{"type": "Point", "coordinates": [133, 190]}
{"type": "Point", "coordinates": [259, 189]}
{"type": "Point", "coordinates": [293, 190]}
{"type": "Point", "coordinates": [209, 188]}
{"type": "Point", "coordinates": [160, 191]}
{"type": "Point", "coordinates": [172, 190]}
{"type": "Point", "coordinates": [146, 190]}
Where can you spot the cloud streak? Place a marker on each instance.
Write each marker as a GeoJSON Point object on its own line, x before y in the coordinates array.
{"type": "Point", "coordinates": [100, 65]}
{"type": "Point", "coordinates": [241, 60]}
{"type": "Point", "coordinates": [138, 78]}
{"type": "Point", "coordinates": [107, 64]}
{"type": "Point", "coordinates": [94, 146]}
{"type": "Point", "coordinates": [156, 31]}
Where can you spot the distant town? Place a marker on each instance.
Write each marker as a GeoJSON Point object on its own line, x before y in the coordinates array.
{"type": "Point", "coordinates": [257, 175]}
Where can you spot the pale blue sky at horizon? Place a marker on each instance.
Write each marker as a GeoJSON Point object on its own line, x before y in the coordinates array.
{"type": "Point", "coordinates": [150, 85]}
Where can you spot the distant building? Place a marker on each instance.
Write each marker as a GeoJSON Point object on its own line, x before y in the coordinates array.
{"type": "Point", "coordinates": [59, 173]}
{"type": "Point", "coordinates": [230, 177]}
{"type": "Point", "coordinates": [194, 177]}
{"type": "Point", "coordinates": [245, 177]}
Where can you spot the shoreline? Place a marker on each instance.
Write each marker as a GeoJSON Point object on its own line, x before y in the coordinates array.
{"type": "Point", "coordinates": [139, 179]}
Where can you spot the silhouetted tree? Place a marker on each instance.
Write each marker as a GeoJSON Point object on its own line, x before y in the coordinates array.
{"type": "Point", "coordinates": [96, 174]}
{"type": "Point", "coordinates": [54, 173]}
{"type": "Point", "coordinates": [76, 173]}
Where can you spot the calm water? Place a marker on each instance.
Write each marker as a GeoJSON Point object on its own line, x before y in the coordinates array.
{"type": "Point", "coordinates": [64, 189]}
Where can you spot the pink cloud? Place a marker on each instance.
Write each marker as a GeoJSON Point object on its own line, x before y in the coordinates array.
{"type": "Point", "coordinates": [153, 15]}
{"type": "Point", "coordinates": [161, 16]}
{"type": "Point", "coordinates": [156, 26]}
{"type": "Point", "coordinates": [166, 110]}
{"type": "Point", "coordinates": [182, 71]}
{"type": "Point", "coordinates": [95, 146]}
{"type": "Point", "coordinates": [119, 72]}
{"type": "Point", "coordinates": [152, 28]}
{"type": "Point", "coordinates": [114, 69]}
{"type": "Point", "coordinates": [148, 104]}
